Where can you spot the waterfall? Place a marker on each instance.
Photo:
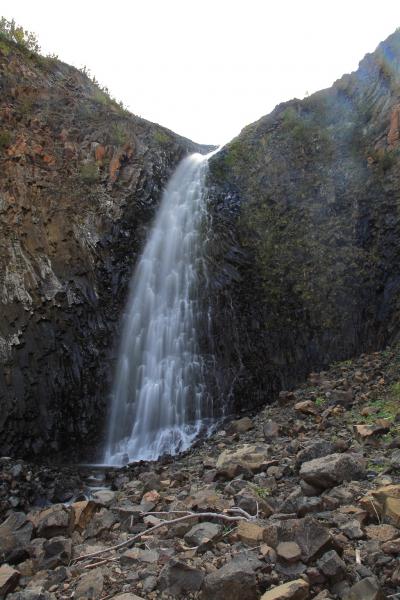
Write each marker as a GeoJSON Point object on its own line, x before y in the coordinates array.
{"type": "Point", "coordinates": [159, 403]}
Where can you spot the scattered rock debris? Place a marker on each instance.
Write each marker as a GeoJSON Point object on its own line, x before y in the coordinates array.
{"type": "Point", "coordinates": [293, 503]}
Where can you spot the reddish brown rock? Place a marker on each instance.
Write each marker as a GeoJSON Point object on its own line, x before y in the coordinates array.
{"type": "Point", "coordinates": [99, 153]}
{"type": "Point", "coordinates": [250, 533]}
{"type": "Point", "coordinates": [306, 407]}
{"type": "Point", "coordinates": [394, 127]}
{"type": "Point", "coordinates": [83, 512]}
{"type": "Point", "coordinates": [293, 590]}
{"type": "Point", "coordinates": [382, 533]}
{"type": "Point", "coordinates": [367, 430]}
{"type": "Point", "coordinates": [384, 502]}
{"type": "Point", "coordinates": [290, 552]}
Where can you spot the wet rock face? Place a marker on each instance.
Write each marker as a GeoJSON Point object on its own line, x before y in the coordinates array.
{"type": "Point", "coordinates": [80, 180]}
{"type": "Point", "coordinates": [306, 233]}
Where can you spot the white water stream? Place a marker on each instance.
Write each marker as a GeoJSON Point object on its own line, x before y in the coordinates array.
{"type": "Point", "coordinates": [158, 405]}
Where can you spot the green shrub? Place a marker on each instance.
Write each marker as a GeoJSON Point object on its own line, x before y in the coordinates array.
{"type": "Point", "coordinates": [161, 137]}
{"type": "Point", "coordinates": [5, 139]}
{"type": "Point", "coordinates": [101, 97]}
{"type": "Point", "coordinates": [12, 32]}
{"type": "Point", "coordinates": [118, 134]}
{"type": "Point", "coordinates": [90, 172]}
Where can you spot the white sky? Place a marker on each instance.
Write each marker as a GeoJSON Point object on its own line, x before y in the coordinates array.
{"type": "Point", "coordinates": [206, 69]}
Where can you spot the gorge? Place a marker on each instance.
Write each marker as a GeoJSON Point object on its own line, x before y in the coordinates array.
{"type": "Point", "coordinates": [302, 259]}
{"type": "Point", "coordinates": [216, 333]}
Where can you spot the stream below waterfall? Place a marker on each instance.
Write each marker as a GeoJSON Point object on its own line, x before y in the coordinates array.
{"type": "Point", "coordinates": [159, 403]}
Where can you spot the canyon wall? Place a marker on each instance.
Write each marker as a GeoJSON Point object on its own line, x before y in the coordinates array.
{"type": "Point", "coordinates": [80, 179]}
{"type": "Point", "coordinates": [305, 255]}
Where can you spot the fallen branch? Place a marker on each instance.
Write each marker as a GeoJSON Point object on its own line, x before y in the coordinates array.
{"type": "Point", "coordinates": [165, 522]}
{"type": "Point", "coordinates": [101, 562]}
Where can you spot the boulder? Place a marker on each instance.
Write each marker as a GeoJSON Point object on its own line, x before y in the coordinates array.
{"type": "Point", "coordinates": [332, 566]}
{"type": "Point", "coordinates": [137, 555]}
{"type": "Point", "coordinates": [324, 595]}
{"type": "Point", "coordinates": [90, 585]}
{"type": "Point", "coordinates": [250, 533]}
{"type": "Point", "coordinates": [331, 470]}
{"type": "Point", "coordinates": [297, 589]}
{"type": "Point", "coordinates": [312, 537]}
{"type": "Point", "coordinates": [177, 577]}
{"type": "Point", "coordinates": [395, 459]}
{"type": "Point", "coordinates": [249, 458]}
{"type": "Point", "coordinates": [382, 533]}
{"type": "Point", "coordinates": [391, 547]}
{"type": "Point", "coordinates": [203, 534]}
{"type": "Point", "coordinates": [236, 580]}
{"type": "Point", "coordinates": [251, 502]}
{"type": "Point", "coordinates": [15, 535]}
{"type": "Point", "coordinates": [57, 551]}
{"type": "Point", "coordinates": [384, 501]}
{"type": "Point", "coordinates": [270, 430]}
{"type": "Point", "coordinates": [9, 578]}
{"type": "Point", "coordinates": [104, 497]}
{"type": "Point", "coordinates": [54, 521]}
{"type": "Point", "coordinates": [31, 594]}
{"type": "Point", "coordinates": [83, 512]}
{"type": "Point", "coordinates": [342, 397]}
{"type": "Point", "coordinates": [207, 499]}
{"type": "Point", "coordinates": [286, 397]}
{"type": "Point", "coordinates": [352, 529]}
{"type": "Point", "coordinates": [290, 552]}
{"type": "Point", "coordinates": [316, 449]}
{"type": "Point", "coordinates": [364, 430]}
{"type": "Point", "coordinates": [366, 589]}
{"type": "Point", "coordinates": [241, 425]}
{"type": "Point", "coordinates": [100, 522]}
{"type": "Point", "coordinates": [306, 407]}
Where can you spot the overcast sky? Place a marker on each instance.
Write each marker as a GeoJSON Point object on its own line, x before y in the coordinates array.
{"type": "Point", "coordinates": [205, 69]}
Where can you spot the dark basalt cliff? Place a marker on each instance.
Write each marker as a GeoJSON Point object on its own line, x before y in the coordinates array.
{"type": "Point", "coordinates": [305, 255]}
{"type": "Point", "coordinates": [80, 179]}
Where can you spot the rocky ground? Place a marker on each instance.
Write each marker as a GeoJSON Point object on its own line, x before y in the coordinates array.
{"type": "Point", "coordinates": [300, 501]}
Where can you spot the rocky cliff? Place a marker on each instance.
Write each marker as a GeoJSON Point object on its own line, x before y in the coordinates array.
{"type": "Point", "coordinates": [80, 179]}
{"type": "Point", "coordinates": [305, 255]}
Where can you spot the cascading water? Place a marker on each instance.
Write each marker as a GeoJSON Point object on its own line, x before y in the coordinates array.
{"type": "Point", "coordinates": [158, 402]}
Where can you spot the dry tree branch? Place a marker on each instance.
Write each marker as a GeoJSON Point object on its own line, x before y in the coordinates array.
{"type": "Point", "coordinates": [165, 522]}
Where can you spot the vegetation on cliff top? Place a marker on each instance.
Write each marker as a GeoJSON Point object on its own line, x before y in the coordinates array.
{"type": "Point", "coordinates": [11, 32]}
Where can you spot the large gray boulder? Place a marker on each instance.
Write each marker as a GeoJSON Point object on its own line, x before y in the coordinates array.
{"type": "Point", "coordinates": [177, 577]}
{"type": "Point", "coordinates": [203, 534]}
{"type": "Point", "coordinates": [15, 535]}
{"type": "Point", "coordinates": [331, 470]}
{"type": "Point", "coordinates": [236, 580]}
